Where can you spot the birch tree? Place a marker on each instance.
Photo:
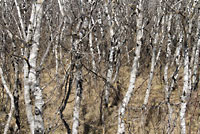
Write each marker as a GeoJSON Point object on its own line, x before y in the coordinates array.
{"type": "Point", "coordinates": [31, 74]}
{"type": "Point", "coordinates": [12, 102]}
{"type": "Point", "coordinates": [111, 53]}
{"type": "Point", "coordinates": [196, 58]}
{"type": "Point", "coordinates": [154, 56]}
{"type": "Point", "coordinates": [11, 98]}
{"type": "Point", "coordinates": [126, 99]}
{"type": "Point", "coordinates": [168, 55]}
{"type": "Point", "coordinates": [53, 49]}
{"type": "Point", "coordinates": [76, 48]}
{"type": "Point", "coordinates": [186, 89]}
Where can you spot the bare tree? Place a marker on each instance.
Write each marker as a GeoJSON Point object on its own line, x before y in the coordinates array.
{"type": "Point", "coordinates": [12, 101]}
{"type": "Point", "coordinates": [125, 101]}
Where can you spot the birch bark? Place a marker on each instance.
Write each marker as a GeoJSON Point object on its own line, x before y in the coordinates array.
{"type": "Point", "coordinates": [154, 57]}
{"type": "Point", "coordinates": [16, 94]}
{"type": "Point", "coordinates": [111, 53]}
{"type": "Point", "coordinates": [91, 44]}
{"type": "Point", "coordinates": [20, 19]}
{"type": "Point", "coordinates": [34, 79]}
{"type": "Point", "coordinates": [167, 89]}
{"type": "Point", "coordinates": [77, 98]}
{"type": "Point", "coordinates": [79, 88]}
{"type": "Point", "coordinates": [31, 74]}
{"type": "Point", "coordinates": [125, 101]}
{"type": "Point", "coordinates": [196, 58]}
{"type": "Point", "coordinates": [186, 87]}
{"type": "Point", "coordinates": [78, 65]}
{"type": "Point", "coordinates": [11, 98]}
{"type": "Point", "coordinates": [191, 15]}
{"type": "Point", "coordinates": [26, 69]}
{"type": "Point", "coordinates": [185, 90]}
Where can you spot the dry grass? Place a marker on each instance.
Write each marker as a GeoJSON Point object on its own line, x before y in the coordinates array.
{"type": "Point", "coordinates": [156, 116]}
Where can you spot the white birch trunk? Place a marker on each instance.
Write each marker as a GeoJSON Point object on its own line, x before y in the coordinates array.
{"type": "Point", "coordinates": [78, 66]}
{"type": "Point", "coordinates": [150, 76]}
{"type": "Point", "coordinates": [177, 58]}
{"type": "Point", "coordinates": [20, 19]}
{"type": "Point", "coordinates": [34, 74]}
{"type": "Point", "coordinates": [56, 55]}
{"type": "Point", "coordinates": [111, 53]}
{"type": "Point", "coordinates": [167, 89]}
{"type": "Point", "coordinates": [154, 60]}
{"type": "Point", "coordinates": [62, 11]}
{"type": "Point", "coordinates": [125, 101]}
{"type": "Point", "coordinates": [31, 77]}
{"type": "Point", "coordinates": [196, 58]}
{"type": "Point", "coordinates": [91, 45]}
{"type": "Point", "coordinates": [109, 75]}
{"type": "Point", "coordinates": [27, 96]}
{"type": "Point", "coordinates": [16, 88]}
{"type": "Point", "coordinates": [11, 99]}
{"type": "Point", "coordinates": [26, 69]}
{"type": "Point", "coordinates": [186, 92]}
{"type": "Point", "coordinates": [187, 76]}
{"type": "Point", "coordinates": [127, 53]}
{"type": "Point", "coordinates": [77, 100]}
{"type": "Point", "coordinates": [177, 55]}
{"type": "Point", "coordinates": [154, 57]}
{"type": "Point", "coordinates": [189, 33]}
{"type": "Point", "coordinates": [61, 7]}
{"type": "Point", "coordinates": [100, 22]}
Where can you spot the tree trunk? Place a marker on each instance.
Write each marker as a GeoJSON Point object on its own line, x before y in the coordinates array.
{"type": "Point", "coordinates": [78, 78]}
{"type": "Point", "coordinates": [11, 98]}
{"type": "Point", "coordinates": [196, 59]}
{"type": "Point", "coordinates": [111, 53]}
{"type": "Point", "coordinates": [186, 92]}
{"type": "Point", "coordinates": [125, 101]}
{"type": "Point", "coordinates": [31, 74]}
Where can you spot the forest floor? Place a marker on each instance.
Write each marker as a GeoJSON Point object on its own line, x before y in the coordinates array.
{"type": "Point", "coordinates": [155, 117]}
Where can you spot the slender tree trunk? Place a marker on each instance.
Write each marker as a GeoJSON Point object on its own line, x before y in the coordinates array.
{"type": "Point", "coordinates": [27, 96]}
{"type": "Point", "coordinates": [78, 97]}
{"type": "Point", "coordinates": [17, 85]}
{"type": "Point", "coordinates": [186, 92]}
{"type": "Point", "coordinates": [55, 48]}
{"type": "Point", "coordinates": [16, 91]}
{"type": "Point", "coordinates": [111, 53]}
{"type": "Point", "coordinates": [100, 22]}
{"type": "Point", "coordinates": [189, 37]}
{"type": "Point", "coordinates": [11, 98]}
{"type": "Point", "coordinates": [26, 69]}
{"type": "Point", "coordinates": [125, 101]}
{"type": "Point", "coordinates": [177, 58]}
{"type": "Point", "coordinates": [31, 74]}
{"type": "Point", "coordinates": [196, 59]}
{"type": "Point", "coordinates": [20, 19]}
{"type": "Point", "coordinates": [78, 78]}
{"type": "Point", "coordinates": [167, 89]}
{"type": "Point", "coordinates": [34, 73]}
{"type": "Point", "coordinates": [91, 45]}
{"type": "Point", "coordinates": [154, 57]}
{"type": "Point", "coordinates": [16, 95]}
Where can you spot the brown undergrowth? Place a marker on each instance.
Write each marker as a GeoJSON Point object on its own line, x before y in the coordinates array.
{"type": "Point", "coordinates": [156, 114]}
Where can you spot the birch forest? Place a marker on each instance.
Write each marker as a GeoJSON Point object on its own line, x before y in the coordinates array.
{"type": "Point", "coordinates": [99, 66]}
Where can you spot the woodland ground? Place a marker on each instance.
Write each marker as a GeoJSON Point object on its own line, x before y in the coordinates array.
{"type": "Point", "coordinates": [156, 116]}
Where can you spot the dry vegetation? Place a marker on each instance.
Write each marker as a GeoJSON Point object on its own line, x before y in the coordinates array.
{"type": "Point", "coordinates": [155, 116]}
{"type": "Point", "coordinates": [61, 34]}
